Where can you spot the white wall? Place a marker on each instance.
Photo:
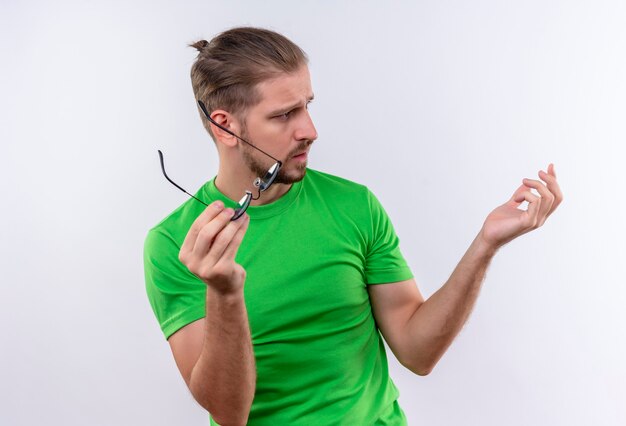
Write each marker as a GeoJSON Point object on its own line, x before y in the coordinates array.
{"type": "Point", "coordinates": [440, 107]}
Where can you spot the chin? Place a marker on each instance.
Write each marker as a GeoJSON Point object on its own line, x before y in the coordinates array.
{"type": "Point", "coordinates": [291, 176]}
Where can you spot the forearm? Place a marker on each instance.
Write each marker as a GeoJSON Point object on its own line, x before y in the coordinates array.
{"type": "Point", "coordinates": [435, 324]}
{"type": "Point", "coordinates": [224, 377]}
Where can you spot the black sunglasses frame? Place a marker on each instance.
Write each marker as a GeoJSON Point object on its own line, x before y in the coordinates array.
{"type": "Point", "coordinates": [260, 183]}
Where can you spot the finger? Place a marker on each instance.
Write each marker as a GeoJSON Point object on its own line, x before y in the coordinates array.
{"type": "Point", "coordinates": [231, 251]}
{"type": "Point", "coordinates": [551, 170]}
{"type": "Point", "coordinates": [205, 217]}
{"type": "Point", "coordinates": [553, 186]}
{"type": "Point", "coordinates": [517, 196]}
{"type": "Point", "coordinates": [209, 231]}
{"type": "Point", "coordinates": [547, 198]}
{"type": "Point", "coordinates": [534, 203]}
{"type": "Point", "coordinates": [223, 239]}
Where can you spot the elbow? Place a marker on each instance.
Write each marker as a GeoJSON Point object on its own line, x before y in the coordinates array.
{"type": "Point", "coordinates": [226, 412]}
{"type": "Point", "coordinates": [423, 371]}
{"type": "Point", "coordinates": [420, 368]}
{"type": "Point", "coordinates": [225, 421]}
{"type": "Point", "coordinates": [227, 418]}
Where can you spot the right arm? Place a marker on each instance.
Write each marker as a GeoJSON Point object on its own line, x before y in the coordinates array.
{"type": "Point", "coordinates": [214, 354]}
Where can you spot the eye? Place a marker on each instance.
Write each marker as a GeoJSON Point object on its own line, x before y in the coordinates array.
{"type": "Point", "coordinates": [285, 116]}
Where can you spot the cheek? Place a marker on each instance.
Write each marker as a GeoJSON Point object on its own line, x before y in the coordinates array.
{"type": "Point", "coordinates": [276, 139]}
{"type": "Point", "coordinates": [282, 144]}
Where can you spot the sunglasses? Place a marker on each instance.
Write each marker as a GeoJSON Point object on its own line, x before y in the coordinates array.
{"type": "Point", "coordinates": [261, 184]}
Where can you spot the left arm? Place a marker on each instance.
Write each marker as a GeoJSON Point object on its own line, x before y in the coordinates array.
{"type": "Point", "coordinates": [419, 332]}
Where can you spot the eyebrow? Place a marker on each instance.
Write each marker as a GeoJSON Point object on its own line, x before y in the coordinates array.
{"type": "Point", "coordinates": [288, 108]}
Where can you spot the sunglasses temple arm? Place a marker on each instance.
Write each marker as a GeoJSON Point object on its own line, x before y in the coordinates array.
{"type": "Point", "coordinates": [174, 183]}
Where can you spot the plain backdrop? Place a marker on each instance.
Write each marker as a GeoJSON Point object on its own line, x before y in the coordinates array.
{"type": "Point", "coordinates": [440, 107]}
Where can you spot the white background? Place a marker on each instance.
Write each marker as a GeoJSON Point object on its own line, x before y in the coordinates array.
{"type": "Point", "coordinates": [440, 107]}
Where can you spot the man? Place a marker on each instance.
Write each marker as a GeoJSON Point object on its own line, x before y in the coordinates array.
{"type": "Point", "coordinates": [274, 318]}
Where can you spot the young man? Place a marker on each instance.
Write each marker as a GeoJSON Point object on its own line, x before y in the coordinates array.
{"type": "Point", "coordinates": [274, 318]}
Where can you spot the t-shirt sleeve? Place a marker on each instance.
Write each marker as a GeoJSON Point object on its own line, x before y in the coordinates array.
{"type": "Point", "coordinates": [384, 262]}
{"type": "Point", "coordinates": [176, 295]}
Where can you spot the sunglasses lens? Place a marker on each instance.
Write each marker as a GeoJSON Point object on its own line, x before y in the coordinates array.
{"type": "Point", "coordinates": [269, 177]}
{"type": "Point", "coordinates": [242, 206]}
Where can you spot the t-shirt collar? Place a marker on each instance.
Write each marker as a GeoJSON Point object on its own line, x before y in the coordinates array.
{"type": "Point", "coordinates": [212, 193]}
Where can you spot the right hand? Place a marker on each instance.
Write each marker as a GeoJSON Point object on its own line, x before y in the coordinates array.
{"type": "Point", "coordinates": [210, 247]}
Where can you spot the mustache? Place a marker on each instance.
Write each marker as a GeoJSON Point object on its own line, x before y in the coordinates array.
{"type": "Point", "coordinates": [300, 148]}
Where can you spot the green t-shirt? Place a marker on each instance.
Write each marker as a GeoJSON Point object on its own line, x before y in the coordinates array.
{"type": "Point", "coordinates": [308, 258]}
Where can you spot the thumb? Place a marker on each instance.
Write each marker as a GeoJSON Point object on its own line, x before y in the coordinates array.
{"type": "Point", "coordinates": [518, 195]}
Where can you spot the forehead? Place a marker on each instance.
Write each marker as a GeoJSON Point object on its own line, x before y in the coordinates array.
{"type": "Point", "coordinates": [285, 89]}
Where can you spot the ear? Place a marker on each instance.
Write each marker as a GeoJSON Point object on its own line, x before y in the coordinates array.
{"type": "Point", "coordinates": [227, 120]}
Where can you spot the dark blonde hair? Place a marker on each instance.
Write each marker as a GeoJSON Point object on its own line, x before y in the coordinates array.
{"type": "Point", "coordinates": [228, 68]}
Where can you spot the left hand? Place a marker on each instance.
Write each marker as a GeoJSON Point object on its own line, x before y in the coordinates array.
{"type": "Point", "coordinates": [507, 222]}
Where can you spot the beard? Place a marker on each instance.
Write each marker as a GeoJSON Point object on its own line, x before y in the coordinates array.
{"type": "Point", "coordinates": [285, 176]}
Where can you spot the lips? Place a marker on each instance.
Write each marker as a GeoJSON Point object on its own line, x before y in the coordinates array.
{"type": "Point", "coordinates": [303, 153]}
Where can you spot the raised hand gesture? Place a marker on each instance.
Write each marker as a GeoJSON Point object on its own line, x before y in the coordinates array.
{"type": "Point", "coordinates": [507, 222]}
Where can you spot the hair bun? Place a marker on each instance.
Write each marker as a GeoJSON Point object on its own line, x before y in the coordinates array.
{"type": "Point", "coordinates": [200, 45]}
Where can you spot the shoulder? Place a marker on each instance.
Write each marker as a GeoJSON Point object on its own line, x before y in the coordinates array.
{"type": "Point", "coordinates": [335, 185]}
{"type": "Point", "coordinates": [348, 200]}
{"type": "Point", "coordinates": [173, 228]}
{"type": "Point", "coordinates": [327, 178]}
{"type": "Point", "coordinates": [162, 268]}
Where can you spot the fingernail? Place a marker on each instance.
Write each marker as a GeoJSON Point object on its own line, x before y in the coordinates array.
{"type": "Point", "coordinates": [219, 205]}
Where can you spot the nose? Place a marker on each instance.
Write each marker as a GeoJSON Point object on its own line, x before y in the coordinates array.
{"type": "Point", "coordinates": [306, 129]}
